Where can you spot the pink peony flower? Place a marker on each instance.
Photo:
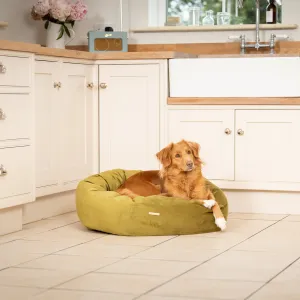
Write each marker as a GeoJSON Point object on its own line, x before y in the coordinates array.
{"type": "Point", "coordinates": [42, 7]}
{"type": "Point", "coordinates": [78, 11]}
{"type": "Point", "coordinates": [60, 9]}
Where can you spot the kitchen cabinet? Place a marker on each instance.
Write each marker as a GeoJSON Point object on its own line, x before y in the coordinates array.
{"type": "Point", "coordinates": [267, 146]}
{"type": "Point", "coordinates": [16, 129]}
{"type": "Point", "coordinates": [129, 116]}
{"type": "Point", "coordinates": [245, 149]}
{"type": "Point", "coordinates": [212, 129]}
{"type": "Point", "coordinates": [66, 128]}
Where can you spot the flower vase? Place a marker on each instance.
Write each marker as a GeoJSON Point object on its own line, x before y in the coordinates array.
{"type": "Point", "coordinates": [53, 32]}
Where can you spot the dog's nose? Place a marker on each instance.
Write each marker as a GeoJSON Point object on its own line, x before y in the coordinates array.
{"type": "Point", "coordinates": [189, 164]}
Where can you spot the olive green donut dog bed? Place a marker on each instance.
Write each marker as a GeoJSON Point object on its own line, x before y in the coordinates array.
{"type": "Point", "coordinates": [100, 208]}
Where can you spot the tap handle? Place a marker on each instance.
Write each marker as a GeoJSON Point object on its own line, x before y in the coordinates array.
{"type": "Point", "coordinates": [235, 37]}
{"type": "Point", "coordinates": [279, 36]}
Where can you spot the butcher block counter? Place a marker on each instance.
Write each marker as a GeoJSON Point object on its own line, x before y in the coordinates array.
{"type": "Point", "coordinates": [39, 50]}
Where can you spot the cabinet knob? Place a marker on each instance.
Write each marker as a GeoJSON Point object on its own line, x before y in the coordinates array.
{"type": "Point", "coordinates": [103, 85]}
{"type": "Point", "coordinates": [240, 132]}
{"type": "Point", "coordinates": [2, 115]}
{"type": "Point", "coordinates": [90, 85]}
{"type": "Point", "coordinates": [227, 131]}
{"type": "Point", "coordinates": [2, 68]}
{"type": "Point", "coordinates": [57, 85]}
{"type": "Point", "coordinates": [3, 172]}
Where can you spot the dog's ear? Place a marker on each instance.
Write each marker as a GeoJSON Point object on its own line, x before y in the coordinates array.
{"type": "Point", "coordinates": [195, 149]}
{"type": "Point", "coordinates": [164, 155]}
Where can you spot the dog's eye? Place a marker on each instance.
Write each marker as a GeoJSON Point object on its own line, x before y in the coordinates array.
{"type": "Point", "coordinates": [189, 152]}
{"type": "Point", "coordinates": [177, 155]}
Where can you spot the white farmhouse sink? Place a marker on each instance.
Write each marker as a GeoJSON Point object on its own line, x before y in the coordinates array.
{"type": "Point", "coordinates": [235, 77]}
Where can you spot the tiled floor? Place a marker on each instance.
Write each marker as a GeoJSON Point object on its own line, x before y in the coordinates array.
{"type": "Point", "coordinates": [257, 258]}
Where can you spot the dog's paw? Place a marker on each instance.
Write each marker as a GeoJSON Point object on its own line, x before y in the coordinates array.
{"type": "Point", "coordinates": [209, 203]}
{"type": "Point", "coordinates": [221, 223]}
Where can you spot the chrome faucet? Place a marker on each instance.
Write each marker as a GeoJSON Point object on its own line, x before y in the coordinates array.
{"type": "Point", "coordinates": [257, 45]}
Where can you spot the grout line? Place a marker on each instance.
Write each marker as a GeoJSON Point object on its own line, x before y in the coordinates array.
{"type": "Point", "coordinates": [266, 283]}
{"type": "Point", "coordinates": [160, 285]}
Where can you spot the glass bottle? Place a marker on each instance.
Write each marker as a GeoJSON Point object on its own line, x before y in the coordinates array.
{"type": "Point", "coordinates": [271, 12]}
{"type": "Point", "coordinates": [194, 16]}
{"type": "Point", "coordinates": [209, 18]}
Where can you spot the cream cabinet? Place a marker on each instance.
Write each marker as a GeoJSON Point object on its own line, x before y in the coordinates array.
{"type": "Point", "coordinates": [267, 146]}
{"type": "Point", "coordinates": [16, 129]}
{"type": "Point", "coordinates": [129, 115]}
{"type": "Point", "coordinates": [243, 149]}
{"type": "Point", "coordinates": [212, 129]}
{"type": "Point", "coordinates": [66, 125]}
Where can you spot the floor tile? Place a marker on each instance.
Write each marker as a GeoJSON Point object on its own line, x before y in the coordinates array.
{"type": "Point", "coordinates": [15, 258]}
{"type": "Point", "coordinates": [46, 224]}
{"type": "Point", "coordinates": [74, 232]}
{"type": "Point", "coordinates": [247, 226]}
{"type": "Point", "coordinates": [242, 265]}
{"type": "Point", "coordinates": [215, 289]}
{"type": "Point", "coordinates": [146, 241]}
{"type": "Point", "coordinates": [289, 275]}
{"type": "Point", "coordinates": [182, 253]}
{"type": "Point", "coordinates": [80, 295]}
{"type": "Point", "coordinates": [68, 218]}
{"type": "Point", "coordinates": [18, 293]}
{"type": "Point", "coordinates": [69, 262]}
{"type": "Point", "coordinates": [103, 250]}
{"type": "Point", "coordinates": [201, 242]}
{"type": "Point", "coordinates": [36, 277]}
{"type": "Point", "coordinates": [278, 238]}
{"type": "Point", "coordinates": [256, 217]}
{"type": "Point", "coordinates": [278, 291]}
{"type": "Point", "coordinates": [149, 267]}
{"type": "Point", "coordinates": [31, 229]}
{"type": "Point", "coordinates": [29, 246]}
{"type": "Point", "coordinates": [114, 283]}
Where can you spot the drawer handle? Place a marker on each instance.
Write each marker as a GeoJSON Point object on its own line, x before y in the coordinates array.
{"type": "Point", "coordinates": [2, 68]}
{"type": "Point", "coordinates": [2, 115]}
{"type": "Point", "coordinates": [3, 171]}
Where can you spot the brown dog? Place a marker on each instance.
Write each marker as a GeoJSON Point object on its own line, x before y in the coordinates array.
{"type": "Point", "coordinates": [181, 176]}
{"type": "Point", "coordinates": [145, 183]}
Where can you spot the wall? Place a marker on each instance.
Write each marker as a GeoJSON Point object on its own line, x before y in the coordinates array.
{"type": "Point", "coordinates": [22, 28]}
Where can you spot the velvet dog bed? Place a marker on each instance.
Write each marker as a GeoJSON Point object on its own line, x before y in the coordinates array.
{"type": "Point", "coordinates": [100, 208]}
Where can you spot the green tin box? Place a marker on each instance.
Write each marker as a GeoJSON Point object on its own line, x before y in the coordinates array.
{"type": "Point", "coordinates": [103, 41]}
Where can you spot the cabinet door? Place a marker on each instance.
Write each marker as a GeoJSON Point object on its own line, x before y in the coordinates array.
{"type": "Point", "coordinates": [208, 128]}
{"type": "Point", "coordinates": [268, 148]}
{"type": "Point", "coordinates": [129, 116]}
{"type": "Point", "coordinates": [78, 102]}
{"type": "Point", "coordinates": [46, 125]}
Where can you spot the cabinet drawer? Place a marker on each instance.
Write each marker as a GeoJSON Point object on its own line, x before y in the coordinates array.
{"type": "Point", "coordinates": [15, 71]}
{"type": "Point", "coordinates": [16, 113]}
{"type": "Point", "coordinates": [18, 163]}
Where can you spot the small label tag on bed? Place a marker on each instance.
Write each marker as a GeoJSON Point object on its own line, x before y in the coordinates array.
{"type": "Point", "coordinates": [154, 213]}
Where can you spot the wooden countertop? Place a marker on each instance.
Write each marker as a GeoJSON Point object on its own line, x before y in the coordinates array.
{"type": "Point", "coordinates": [39, 50]}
